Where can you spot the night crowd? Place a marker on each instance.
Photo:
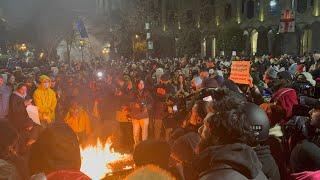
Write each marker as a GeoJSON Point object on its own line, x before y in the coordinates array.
{"type": "Point", "coordinates": [181, 118]}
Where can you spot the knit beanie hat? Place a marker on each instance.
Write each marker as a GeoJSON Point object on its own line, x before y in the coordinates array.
{"type": "Point", "coordinates": [185, 146]}
{"type": "Point", "coordinates": [197, 81]}
{"type": "Point", "coordinates": [309, 78]}
{"type": "Point", "coordinates": [300, 68]}
{"type": "Point", "coordinates": [152, 152]}
{"type": "Point", "coordinates": [272, 72]}
{"type": "Point", "coordinates": [284, 75]}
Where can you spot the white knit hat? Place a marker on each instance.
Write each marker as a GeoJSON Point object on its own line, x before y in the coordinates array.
{"type": "Point", "coordinates": [309, 78]}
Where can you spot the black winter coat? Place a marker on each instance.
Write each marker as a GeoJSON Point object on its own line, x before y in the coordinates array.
{"type": "Point", "coordinates": [18, 115]}
{"type": "Point", "coordinates": [232, 162]}
{"type": "Point", "coordinates": [305, 156]}
{"type": "Point", "coordinates": [144, 101]}
{"type": "Point", "coordinates": [269, 165]}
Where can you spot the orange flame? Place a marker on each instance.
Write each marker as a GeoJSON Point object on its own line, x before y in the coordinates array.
{"type": "Point", "coordinates": [95, 159]}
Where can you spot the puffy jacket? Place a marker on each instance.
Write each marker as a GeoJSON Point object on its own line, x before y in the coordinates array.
{"type": "Point", "coordinates": [80, 123]}
{"type": "Point", "coordinates": [305, 156]}
{"type": "Point", "coordinates": [46, 101]}
{"type": "Point", "coordinates": [233, 162]}
{"type": "Point", "coordinates": [160, 105]}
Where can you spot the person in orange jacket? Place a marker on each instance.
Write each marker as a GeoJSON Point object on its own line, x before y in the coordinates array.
{"type": "Point", "coordinates": [78, 119]}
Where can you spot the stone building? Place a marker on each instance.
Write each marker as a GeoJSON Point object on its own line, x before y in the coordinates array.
{"type": "Point", "coordinates": [258, 20]}
{"type": "Point", "coordinates": [221, 22]}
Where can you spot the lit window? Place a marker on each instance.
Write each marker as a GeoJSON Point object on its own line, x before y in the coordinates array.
{"type": "Point", "coordinates": [274, 7]}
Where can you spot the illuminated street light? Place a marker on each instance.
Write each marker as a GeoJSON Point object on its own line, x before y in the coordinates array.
{"type": "Point", "coordinates": [81, 43]}
{"type": "Point", "coordinates": [41, 55]}
{"type": "Point", "coordinates": [23, 47]}
{"type": "Point", "coordinates": [137, 36]}
{"type": "Point", "coordinates": [273, 3]}
{"type": "Point", "coordinates": [81, 46]}
{"type": "Point", "coordinates": [105, 51]}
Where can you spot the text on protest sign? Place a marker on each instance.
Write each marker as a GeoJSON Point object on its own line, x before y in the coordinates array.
{"type": "Point", "coordinates": [240, 72]}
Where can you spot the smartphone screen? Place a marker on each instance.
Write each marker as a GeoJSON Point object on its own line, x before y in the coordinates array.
{"type": "Point", "coordinates": [208, 98]}
{"type": "Point", "coordinates": [175, 108]}
{"type": "Point", "coordinates": [302, 100]}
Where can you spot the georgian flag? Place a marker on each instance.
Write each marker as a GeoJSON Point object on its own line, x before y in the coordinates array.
{"type": "Point", "coordinates": [287, 23]}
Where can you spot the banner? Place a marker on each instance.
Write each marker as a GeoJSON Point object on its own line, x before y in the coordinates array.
{"type": "Point", "coordinates": [240, 72]}
{"type": "Point", "coordinates": [82, 29]}
{"type": "Point", "coordinates": [287, 22]}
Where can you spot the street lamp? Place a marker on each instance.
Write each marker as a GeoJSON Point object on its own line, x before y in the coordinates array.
{"type": "Point", "coordinates": [137, 36]}
{"type": "Point", "coordinates": [41, 55]}
{"type": "Point", "coordinates": [105, 51]}
{"type": "Point", "coordinates": [273, 3]}
{"type": "Point", "coordinates": [23, 47]}
{"type": "Point", "coordinates": [81, 46]}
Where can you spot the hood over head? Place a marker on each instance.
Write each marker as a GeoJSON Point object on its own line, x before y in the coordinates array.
{"type": "Point", "coordinates": [239, 157]}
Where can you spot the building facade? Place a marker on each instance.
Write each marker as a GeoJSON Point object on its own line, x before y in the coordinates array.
{"type": "Point", "coordinates": [258, 21]}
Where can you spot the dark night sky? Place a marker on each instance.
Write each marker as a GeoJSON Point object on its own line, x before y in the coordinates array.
{"type": "Point", "coordinates": [38, 20]}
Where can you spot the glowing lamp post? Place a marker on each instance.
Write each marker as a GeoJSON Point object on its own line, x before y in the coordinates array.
{"type": "Point", "coordinates": [81, 47]}
{"type": "Point", "coordinates": [105, 51]}
{"type": "Point", "coordinates": [23, 47]}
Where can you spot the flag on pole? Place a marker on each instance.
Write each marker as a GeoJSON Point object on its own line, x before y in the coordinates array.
{"type": "Point", "coordinates": [82, 29]}
{"type": "Point", "coordinates": [287, 21]}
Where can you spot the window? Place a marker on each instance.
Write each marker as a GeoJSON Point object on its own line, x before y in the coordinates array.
{"type": "Point", "coordinates": [228, 11]}
{"type": "Point", "coordinates": [302, 6]}
{"type": "Point", "coordinates": [206, 15]}
{"type": "Point", "coordinates": [274, 7]}
{"type": "Point", "coordinates": [243, 6]}
{"type": "Point", "coordinates": [306, 41]}
{"type": "Point", "coordinates": [189, 15]}
{"type": "Point", "coordinates": [171, 17]}
{"type": "Point", "coordinates": [254, 41]}
{"type": "Point", "coordinates": [250, 9]}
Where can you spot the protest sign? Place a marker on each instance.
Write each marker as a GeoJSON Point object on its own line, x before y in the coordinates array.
{"type": "Point", "coordinates": [240, 72]}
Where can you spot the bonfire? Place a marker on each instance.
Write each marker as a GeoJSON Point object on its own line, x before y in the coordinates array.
{"type": "Point", "coordinates": [100, 160]}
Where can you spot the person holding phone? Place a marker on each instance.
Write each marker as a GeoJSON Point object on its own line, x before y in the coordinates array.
{"type": "Point", "coordinates": [141, 103]}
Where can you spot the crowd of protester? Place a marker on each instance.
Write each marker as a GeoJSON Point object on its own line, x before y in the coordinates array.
{"type": "Point", "coordinates": [181, 118]}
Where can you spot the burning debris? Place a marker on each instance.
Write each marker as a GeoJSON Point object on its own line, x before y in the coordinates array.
{"type": "Point", "coordinates": [100, 160]}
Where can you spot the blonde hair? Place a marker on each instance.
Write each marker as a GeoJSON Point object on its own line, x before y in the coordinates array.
{"type": "Point", "coordinates": [150, 172]}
